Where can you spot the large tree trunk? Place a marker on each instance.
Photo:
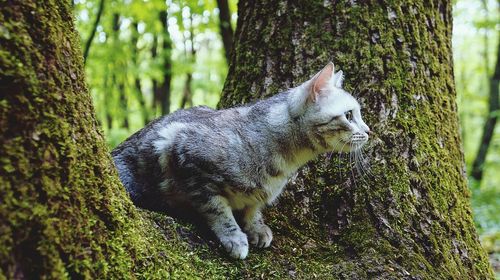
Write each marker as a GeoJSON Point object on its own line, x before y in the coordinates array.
{"type": "Point", "coordinates": [64, 214]}
{"type": "Point", "coordinates": [411, 217]}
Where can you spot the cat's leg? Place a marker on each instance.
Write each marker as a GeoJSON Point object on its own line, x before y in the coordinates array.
{"type": "Point", "coordinates": [259, 234]}
{"type": "Point", "coordinates": [220, 219]}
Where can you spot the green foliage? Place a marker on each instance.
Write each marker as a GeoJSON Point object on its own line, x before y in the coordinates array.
{"type": "Point", "coordinates": [115, 62]}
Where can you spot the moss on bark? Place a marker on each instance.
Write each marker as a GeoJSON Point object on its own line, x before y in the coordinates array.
{"type": "Point", "coordinates": [64, 214]}
{"type": "Point", "coordinates": [63, 211]}
{"type": "Point", "coordinates": [411, 217]}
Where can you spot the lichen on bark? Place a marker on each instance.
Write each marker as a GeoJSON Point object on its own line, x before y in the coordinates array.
{"type": "Point", "coordinates": [64, 213]}
{"type": "Point", "coordinates": [411, 217]}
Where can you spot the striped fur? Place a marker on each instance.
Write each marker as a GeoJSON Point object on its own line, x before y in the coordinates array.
{"type": "Point", "coordinates": [218, 161]}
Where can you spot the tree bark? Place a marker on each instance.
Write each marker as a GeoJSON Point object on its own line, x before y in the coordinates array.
{"type": "Point", "coordinates": [225, 27]}
{"type": "Point", "coordinates": [491, 121]}
{"type": "Point", "coordinates": [409, 219]}
{"type": "Point", "coordinates": [64, 214]}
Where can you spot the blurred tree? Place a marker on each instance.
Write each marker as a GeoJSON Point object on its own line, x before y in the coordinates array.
{"type": "Point", "coordinates": [491, 119]}
{"type": "Point", "coordinates": [137, 78]}
{"type": "Point", "coordinates": [190, 53]}
{"type": "Point", "coordinates": [117, 78]}
{"type": "Point", "coordinates": [411, 217]}
{"type": "Point", "coordinates": [88, 43]}
{"type": "Point", "coordinates": [163, 91]}
{"type": "Point", "coordinates": [225, 27]}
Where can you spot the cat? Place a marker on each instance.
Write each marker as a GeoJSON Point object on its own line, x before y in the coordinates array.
{"type": "Point", "coordinates": [239, 159]}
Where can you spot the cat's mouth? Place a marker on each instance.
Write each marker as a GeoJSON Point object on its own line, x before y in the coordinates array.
{"type": "Point", "coordinates": [353, 143]}
{"type": "Point", "coordinates": [359, 138]}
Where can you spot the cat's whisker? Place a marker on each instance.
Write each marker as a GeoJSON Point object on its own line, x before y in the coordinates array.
{"type": "Point", "coordinates": [342, 156]}
{"type": "Point", "coordinates": [365, 162]}
{"type": "Point", "coordinates": [358, 161]}
{"type": "Point", "coordinates": [352, 151]}
{"type": "Point", "coordinates": [364, 169]}
{"type": "Point", "coordinates": [364, 172]}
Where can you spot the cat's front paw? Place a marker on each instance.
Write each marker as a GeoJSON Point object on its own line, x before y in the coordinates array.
{"type": "Point", "coordinates": [236, 244]}
{"type": "Point", "coordinates": [260, 237]}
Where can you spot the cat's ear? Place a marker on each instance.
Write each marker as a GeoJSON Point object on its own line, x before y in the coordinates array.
{"type": "Point", "coordinates": [309, 91]}
{"type": "Point", "coordinates": [338, 79]}
{"type": "Point", "coordinates": [321, 80]}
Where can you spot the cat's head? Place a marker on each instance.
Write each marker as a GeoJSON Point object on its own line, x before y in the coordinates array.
{"type": "Point", "coordinates": [329, 114]}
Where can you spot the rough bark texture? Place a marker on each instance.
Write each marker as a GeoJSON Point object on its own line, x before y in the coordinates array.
{"type": "Point", "coordinates": [64, 214]}
{"type": "Point", "coordinates": [411, 218]}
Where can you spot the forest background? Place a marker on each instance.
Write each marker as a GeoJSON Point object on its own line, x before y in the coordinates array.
{"type": "Point", "coordinates": [145, 58]}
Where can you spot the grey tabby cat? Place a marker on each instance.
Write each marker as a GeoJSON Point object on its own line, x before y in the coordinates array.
{"type": "Point", "coordinates": [239, 159]}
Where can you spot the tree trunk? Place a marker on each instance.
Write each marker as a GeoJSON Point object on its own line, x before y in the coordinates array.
{"type": "Point", "coordinates": [225, 27]}
{"type": "Point", "coordinates": [187, 94]}
{"type": "Point", "coordinates": [409, 219]}
{"type": "Point", "coordinates": [156, 91]}
{"type": "Point", "coordinates": [64, 214]}
{"type": "Point", "coordinates": [161, 92]}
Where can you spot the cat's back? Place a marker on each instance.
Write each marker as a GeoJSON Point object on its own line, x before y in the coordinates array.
{"type": "Point", "coordinates": [135, 158]}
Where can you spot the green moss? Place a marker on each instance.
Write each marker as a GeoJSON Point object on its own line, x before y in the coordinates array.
{"type": "Point", "coordinates": [65, 215]}
{"type": "Point", "coordinates": [412, 216]}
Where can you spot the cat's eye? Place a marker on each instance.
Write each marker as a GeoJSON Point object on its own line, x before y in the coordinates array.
{"type": "Point", "coordinates": [348, 115]}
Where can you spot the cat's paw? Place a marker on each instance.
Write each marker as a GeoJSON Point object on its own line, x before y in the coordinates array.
{"type": "Point", "coordinates": [236, 244]}
{"type": "Point", "coordinates": [260, 237]}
